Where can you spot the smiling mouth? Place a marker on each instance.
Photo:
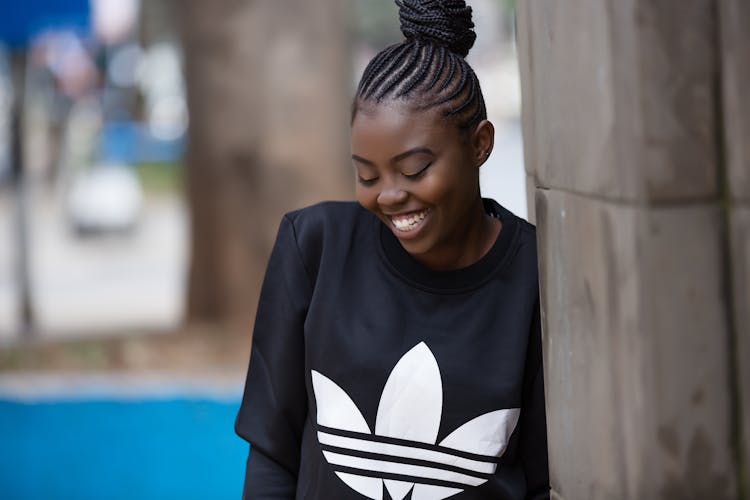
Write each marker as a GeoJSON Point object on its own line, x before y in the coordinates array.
{"type": "Point", "coordinates": [407, 223]}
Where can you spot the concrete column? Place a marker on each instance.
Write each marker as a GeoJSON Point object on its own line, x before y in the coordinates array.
{"type": "Point", "coordinates": [735, 62]}
{"type": "Point", "coordinates": [623, 129]}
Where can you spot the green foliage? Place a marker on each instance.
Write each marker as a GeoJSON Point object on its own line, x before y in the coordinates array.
{"type": "Point", "coordinates": [161, 178]}
{"type": "Point", "coordinates": [78, 355]}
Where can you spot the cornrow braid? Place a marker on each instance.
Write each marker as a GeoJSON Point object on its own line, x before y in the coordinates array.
{"type": "Point", "coordinates": [418, 76]}
{"type": "Point", "coordinates": [428, 69]}
{"type": "Point", "coordinates": [378, 62]}
{"type": "Point", "coordinates": [451, 74]}
{"type": "Point", "coordinates": [391, 82]}
{"type": "Point", "coordinates": [437, 71]}
{"type": "Point", "coordinates": [404, 54]}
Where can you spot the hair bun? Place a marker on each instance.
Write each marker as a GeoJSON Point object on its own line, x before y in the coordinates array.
{"type": "Point", "coordinates": [445, 22]}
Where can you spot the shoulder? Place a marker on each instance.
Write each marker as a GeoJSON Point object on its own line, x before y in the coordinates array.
{"type": "Point", "coordinates": [326, 219]}
{"type": "Point", "coordinates": [327, 227]}
{"type": "Point", "coordinates": [523, 248]}
{"type": "Point", "coordinates": [523, 233]}
{"type": "Point", "coordinates": [527, 249]}
{"type": "Point", "coordinates": [527, 234]}
{"type": "Point", "coordinates": [324, 212]}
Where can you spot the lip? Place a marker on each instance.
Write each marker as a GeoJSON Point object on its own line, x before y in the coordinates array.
{"type": "Point", "coordinates": [412, 233]}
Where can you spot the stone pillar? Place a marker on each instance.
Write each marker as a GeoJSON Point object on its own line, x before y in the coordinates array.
{"type": "Point", "coordinates": [735, 62]}
{"type": "Point", "coordinates": [626, 143]}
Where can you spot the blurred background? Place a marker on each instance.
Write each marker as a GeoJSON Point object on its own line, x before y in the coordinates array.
{"type": "Point", "coordinates": [147, 152]}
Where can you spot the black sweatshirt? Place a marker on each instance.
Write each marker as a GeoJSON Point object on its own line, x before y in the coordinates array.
{"type": "Point", "coordinates": [372, 376]}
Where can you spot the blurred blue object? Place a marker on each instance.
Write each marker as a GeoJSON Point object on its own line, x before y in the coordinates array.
{"type": "Point", "coordinates": [120, 449]}
{"type": "Point", "coordinates": [132, 143]}
{"type": "Point", "coordinates": [22, 20]}
{"type": "Point", "coordinates": [119, 142]}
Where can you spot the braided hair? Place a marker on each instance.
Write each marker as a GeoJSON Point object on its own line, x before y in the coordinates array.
{"type": "Point", "coordinates": [428, 68]}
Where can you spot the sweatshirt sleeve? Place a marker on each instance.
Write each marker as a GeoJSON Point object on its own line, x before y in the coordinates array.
{"type": "Point", "coordinates": [274, 405]}
{"type": "Point", "coordinates": [533, 418]}
{"type": "Point", "coordinates": [266, 479]}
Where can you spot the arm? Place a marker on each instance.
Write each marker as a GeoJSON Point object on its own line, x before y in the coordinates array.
{"type": "Point", "coordinates": [274, 404]}
{"type": "Point", "coordinates": [266, 479]}
{"type": "Point", "coordinates": [533, 418]}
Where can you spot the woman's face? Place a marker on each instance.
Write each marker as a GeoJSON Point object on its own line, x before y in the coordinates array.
{"type": "Point", "coordinates": [418, 174]}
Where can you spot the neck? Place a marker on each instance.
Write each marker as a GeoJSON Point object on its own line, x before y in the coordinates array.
{"type": "Point", "coordinates": [468, 245]}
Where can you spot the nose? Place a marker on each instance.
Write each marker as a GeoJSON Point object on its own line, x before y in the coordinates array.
{"type": "Point", "coordinates": [392, 196]}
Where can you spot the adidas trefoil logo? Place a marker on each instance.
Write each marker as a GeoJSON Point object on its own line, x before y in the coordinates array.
{"type": "Point", "coordinates": [402, 454]}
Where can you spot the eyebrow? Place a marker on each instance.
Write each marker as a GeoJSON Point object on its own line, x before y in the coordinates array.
{"type": "Point", "coordinates": [398, 157]}
{"type": "Point", "coordinates": [361, 160]}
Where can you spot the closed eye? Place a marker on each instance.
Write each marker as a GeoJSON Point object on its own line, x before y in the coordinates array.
{"type": "Point", "coordinates": [366, 182]}
{"type": "Point", "coordinates": [417, 174]}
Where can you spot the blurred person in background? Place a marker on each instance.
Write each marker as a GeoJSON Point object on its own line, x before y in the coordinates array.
{"type": "Point", "coordinates": [397, 351]}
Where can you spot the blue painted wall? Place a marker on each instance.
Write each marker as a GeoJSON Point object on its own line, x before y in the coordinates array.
{"type": "Point", "coordinates": [108, 449]}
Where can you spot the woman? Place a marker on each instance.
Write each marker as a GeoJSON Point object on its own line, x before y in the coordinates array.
{"type": "Point", "coordinates": [396, 351]}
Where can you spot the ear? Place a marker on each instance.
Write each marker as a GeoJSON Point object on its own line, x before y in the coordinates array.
{"type": "Point", "coordinates": [482, 141]}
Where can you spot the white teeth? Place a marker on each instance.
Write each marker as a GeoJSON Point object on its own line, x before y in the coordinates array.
{"type": "Point", "coordinates": [408, 223]}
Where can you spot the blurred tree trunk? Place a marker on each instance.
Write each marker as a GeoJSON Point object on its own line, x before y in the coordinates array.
{"type": "Point", "coordinates": [268, 85]}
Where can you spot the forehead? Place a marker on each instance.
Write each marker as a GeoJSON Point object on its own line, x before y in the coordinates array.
{"type": "Point", "coordinates": [394, 127]}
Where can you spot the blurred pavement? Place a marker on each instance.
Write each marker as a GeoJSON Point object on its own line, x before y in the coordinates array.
{"type": "Point", "coordinates": [99, 284]}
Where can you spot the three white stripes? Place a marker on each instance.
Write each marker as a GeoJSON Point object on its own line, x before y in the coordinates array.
{"type": "Point", "coordinates": [400, 451]}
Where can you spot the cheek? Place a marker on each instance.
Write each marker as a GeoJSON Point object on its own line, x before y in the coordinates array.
{"type": "Point", "coordinates": [451, 187]}
{"type": "Point", "coordinates": [366, 197]}
{"type": "Point", "coordinates": [435, 190]}
{"type": "Point", "coordinates": [463, 180]}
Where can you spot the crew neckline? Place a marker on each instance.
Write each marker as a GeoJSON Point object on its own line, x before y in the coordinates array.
{"type": "Point", "coordinates": [406, 267]}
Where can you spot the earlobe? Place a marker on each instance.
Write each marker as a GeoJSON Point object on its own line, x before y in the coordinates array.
{"type": "Point", "coordinates": [483, 141]}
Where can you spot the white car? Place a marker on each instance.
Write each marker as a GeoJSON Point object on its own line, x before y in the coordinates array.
{"type": "Point", "coordinates": [105, 198]}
